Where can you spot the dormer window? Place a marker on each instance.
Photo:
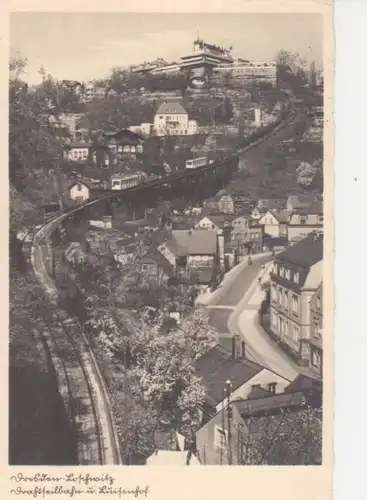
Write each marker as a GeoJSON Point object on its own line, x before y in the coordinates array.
{"type": "Point", "coordinates": [272, 387]}
{"type": "Point", "coordinates": [296, 278]}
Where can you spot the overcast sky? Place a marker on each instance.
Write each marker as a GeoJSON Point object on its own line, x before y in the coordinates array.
{"type": "Point", "coordinates": [86, 46]}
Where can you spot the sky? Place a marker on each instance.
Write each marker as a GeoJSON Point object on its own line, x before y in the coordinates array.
{"type": "Point", "coordinates": [84, 46]}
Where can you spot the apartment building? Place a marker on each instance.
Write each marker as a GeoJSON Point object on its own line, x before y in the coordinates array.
{"type": "Point", "coordinates": [296, 275]}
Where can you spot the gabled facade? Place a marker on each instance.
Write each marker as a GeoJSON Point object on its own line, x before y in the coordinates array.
{"type": "Point", "coordinates": [275, 223]}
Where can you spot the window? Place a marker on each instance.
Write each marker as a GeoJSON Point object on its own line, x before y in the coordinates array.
{"type": "Point", "coordinates": [272, 387]}
{"type": "Point", "coordinates": [274, 320]}
{"type": "Point", "coordinates": [287, 274]}
{"type": "Point", "coordinates": [79, 199]}
{"type": "Point", "coordinates": [280, 296]}
{"type": "Point", "coordinates": [318, 302]}
{"type": "Point", "coordinates": [281, 271]}
{"type": "Point", "coordinates": [303, 220]}
{"type": "Point", "coordinates": [286, 304]}
{"type": "Point", "coordinates": [296, 277]}
{"type": "Point", "coordinates": [320, 218]}
{"type": "Point", "coordinates": [220, 438]}
{"type": "Point", "coordinates": [295, 304]}
{"type": "Point", "coordinates": [295, 333]}
{"type": "Point", "coordinates": [273, 292]}
{"type": "Point", "coordinates": [316, 359]}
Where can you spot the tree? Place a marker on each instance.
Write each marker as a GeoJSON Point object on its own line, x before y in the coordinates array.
{"type": "Point", "coordinates": [35, 145]}
{"type": "Point", "coordinates": [306, 173]}
{"type": "Point", "coordinates": [289, 438]}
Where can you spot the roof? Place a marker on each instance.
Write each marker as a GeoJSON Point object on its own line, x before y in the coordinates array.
{"type": "Point", "coordinates": [203, 275]}
{"type": "Point", "coordinates": [196, 242]}
{"type": "Point", "coordinates": [281, 215]}
{"type": "Point", "coordinates": [217, 366]}
{"type": "Point", "coordinates": [314, 277]}
{"type": "Point", "coordinates": [220, 219]}
{"type": "Point", "coordinates": [171, 108]}
{"type": "Point", "coordinates": [157, 258]}
{"type": "Point", "coordinates": [276, 203]}
{"type": "Point", "coordinates": [302, 383]}
{"type": "Point", "coordinates": [165, 457]}
{"type": "Point", "coordinates": [301, 199]}
{"type": "Point", "coordinates": [314, 208]}
{"type": "Point", "coordinates": [78, 145]}
{"type": "Point", "coordinates": [124, 133]}
{"type": "Point", "coordinates": [285, 400]}
{"type": "Point", "coordinates": [86, 182]}
{"type": "Point", "coordinates": [305, 252]}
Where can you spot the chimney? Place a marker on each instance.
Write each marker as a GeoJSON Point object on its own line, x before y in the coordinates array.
{"type": "Point", "coordinates": [236, 347]}
{"type": "Point", "coordinates": [243, 349]}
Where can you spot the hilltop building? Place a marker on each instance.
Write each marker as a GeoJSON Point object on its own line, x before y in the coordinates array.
{"type": "Point", "coordinates": [211, 61]}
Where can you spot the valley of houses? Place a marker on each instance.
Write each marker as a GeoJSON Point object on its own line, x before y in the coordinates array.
{"type": "Point", "coordinates": [195, 248]}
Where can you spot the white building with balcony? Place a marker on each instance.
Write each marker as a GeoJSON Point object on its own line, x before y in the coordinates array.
{"type": "Point", "coordinates": [171, 118]}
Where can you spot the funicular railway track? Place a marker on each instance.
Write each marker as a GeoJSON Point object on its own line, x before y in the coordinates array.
{"type": "Point", "coordinates": [80, 382]}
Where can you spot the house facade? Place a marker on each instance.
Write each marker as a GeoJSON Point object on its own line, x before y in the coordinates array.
{"type": "Point", "coordinates": [296, 275]}
{"type": "Point", "coordinates": [313, 350]}
{"type": "Point", "coordinates": [78, 151]}
{"type": "Point", "coordinates": [80, 191]}
{"type": "Point", "coordinates": [212, 439]}
{"type": "Point", "coordinates": [275, 223]}
{"type": "Point", "coordinates": [172, 119]}
{"type": "Point", "coordinates": [304, 221]}
{"type": "Point", "coordinates": [226, 204]}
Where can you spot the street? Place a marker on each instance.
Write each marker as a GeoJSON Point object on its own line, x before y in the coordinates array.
{"type": "Point", "coordinates": [243, 293]}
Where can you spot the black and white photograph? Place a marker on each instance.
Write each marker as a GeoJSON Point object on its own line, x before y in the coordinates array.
{"type": "Point", "coordinates": [166, 239]}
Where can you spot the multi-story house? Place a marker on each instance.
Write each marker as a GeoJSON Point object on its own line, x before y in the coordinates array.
{"type": "Point", "coordinates": [296, 275]}
{"type": "Point", "coordinates": [172, 119]}
{"type": "Point", "coordinates": [312, 350]}
{"type": "Point", "coordinates": [225, 204]}
{"type": "Point", "coordinates": [275, 223]}
{"type": "Point", "coordinates": [304, 221]}
{"type": "Point", "coordinates": [78, 151]}
{"type": "Point", "coordinates": [223, 363]}
{"type": "Point", "coordinates": [247, 235]}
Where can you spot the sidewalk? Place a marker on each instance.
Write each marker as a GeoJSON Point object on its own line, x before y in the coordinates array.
{"type": "Point", "coordinates": [244, 322]}
{"type": "Point", "coordinates": [210, 298]}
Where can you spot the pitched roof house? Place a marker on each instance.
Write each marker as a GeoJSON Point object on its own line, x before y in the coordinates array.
{"type": "Point", "coordinates": [275, 223]}
{"type": "Point", "coordinates": [219, 365]}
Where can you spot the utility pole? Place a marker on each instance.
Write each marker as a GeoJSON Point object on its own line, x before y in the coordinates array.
{"type": "Point", "coordinates": [229, 420]}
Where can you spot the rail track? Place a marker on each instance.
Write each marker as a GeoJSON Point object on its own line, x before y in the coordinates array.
{"type": "Point", "coordinates": [80, 381]}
